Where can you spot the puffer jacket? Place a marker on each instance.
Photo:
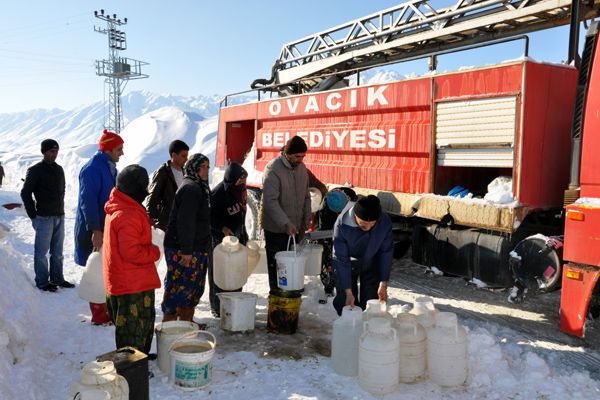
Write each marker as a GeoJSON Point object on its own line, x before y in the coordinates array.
{"type": "Point", "coordinates": [162, 193]}
{"type": "Point", "coordinates": [285, 196]}
{"type": "Point", "coordinates": [128, 254]}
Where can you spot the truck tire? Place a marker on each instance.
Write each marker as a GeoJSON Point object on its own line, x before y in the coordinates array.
{"type": "Point", "coordinates": [252, 224]}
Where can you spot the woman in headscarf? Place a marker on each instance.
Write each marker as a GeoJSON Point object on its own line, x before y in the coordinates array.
{"type": "Point", "coordinates": [188, 242]}
{"type": "Point", "coordinates": [228, 216]}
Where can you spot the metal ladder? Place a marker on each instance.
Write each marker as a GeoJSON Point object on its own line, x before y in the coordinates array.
{"type": "Point", "coordinates": [409, 30]}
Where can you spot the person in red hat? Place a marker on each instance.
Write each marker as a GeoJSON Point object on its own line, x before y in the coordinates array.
{"type": "Point", "coordinates": [97, 178]}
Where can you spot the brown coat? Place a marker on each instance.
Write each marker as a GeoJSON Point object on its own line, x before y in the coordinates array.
{"type": "Point", "coordinates": [285, 196]}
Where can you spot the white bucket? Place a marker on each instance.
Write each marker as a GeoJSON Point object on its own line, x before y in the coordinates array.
{"type": "Point", "coordinates": [314, 258]}
{"type": "Point", "coordinates": [166, 334]}
{"type": "Point", "coordinates": [290, 268]}
{"type": "Point", "coordinates": [238, 311]}
{"type": "Point", "coordinates": [191, 360]}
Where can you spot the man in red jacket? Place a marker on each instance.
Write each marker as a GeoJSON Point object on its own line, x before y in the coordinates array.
{"type": "Point", "coordinates": [128, 256]}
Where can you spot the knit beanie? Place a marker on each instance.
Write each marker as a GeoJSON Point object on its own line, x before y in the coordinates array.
{"type": "Point", "coordinates": [49, 144]}
{"type": "Point", "coordinates": [109, 141]}
{"type": "Point", "coordinates": [234, 172]}
{"type": "Point", "coordinates": [295, 145]}
{"type": "Point", "coordinates": [368, 208]}
{"type": "Point", "coordinates": [133, 181]}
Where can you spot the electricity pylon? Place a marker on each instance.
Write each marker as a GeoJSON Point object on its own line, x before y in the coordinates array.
{"type": "Point", "coordinates": [117, 70]}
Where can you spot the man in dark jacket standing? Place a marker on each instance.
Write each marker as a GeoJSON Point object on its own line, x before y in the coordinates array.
{"type": "Point", "coordinates": [285, 201]}
{"type": "Point", "coordinates": [1, 174]}
{"type": "Point", "coordinates": [46, 181]}
{"type": "Point", "coordinates": [228, 216]}
{"type": "Point", "coordinates": [97, 178]}
{"type": "Point", "coordinates": [362, 231]}
{"type": "Point", "coordinates": [165, 182]}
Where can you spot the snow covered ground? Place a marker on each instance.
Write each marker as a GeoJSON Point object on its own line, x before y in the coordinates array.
{"type": "Point", "coordinates": [50, 336]}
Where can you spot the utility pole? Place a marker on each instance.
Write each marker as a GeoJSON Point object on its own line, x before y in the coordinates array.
{"type": "Point", "coordinates": [117, 70]}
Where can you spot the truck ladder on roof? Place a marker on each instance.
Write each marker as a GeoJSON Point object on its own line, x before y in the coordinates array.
{"type": "Point", "coordinates": [409, 30]}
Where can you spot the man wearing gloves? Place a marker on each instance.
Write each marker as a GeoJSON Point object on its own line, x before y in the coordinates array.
{"type": "Point", "coordinates": [362, 231]}
{"type": "Point", "coordinates": [46, 182]}
{"type": "Point", "coordinates": [285, 201]}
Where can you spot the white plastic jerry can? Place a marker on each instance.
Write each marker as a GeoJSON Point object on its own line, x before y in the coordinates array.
{"type": "Point", "coordinates": [376, 309]}
{"type": "Point", "coordinates": [230, 262]}
{"type": "Point", "coordinates": [447, 351]}
{"type": "Point", "coordinates": [102, 376]}
{"type": "Point", "coordinates": [344, 341]}
{"type": "Point", "coordinates": [378, 357]}
{"type": "Point", "coordinates": [413, 348]}
{"type": "Point", "coordinates": [425, 311]}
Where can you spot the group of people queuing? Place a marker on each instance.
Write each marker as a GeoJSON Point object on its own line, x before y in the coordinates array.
{"type": "Point", "coordinates": [116, 213]}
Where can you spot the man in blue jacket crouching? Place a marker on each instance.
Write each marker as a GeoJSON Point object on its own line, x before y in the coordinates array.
{"type": "Point", "coordinates": [362, 233]}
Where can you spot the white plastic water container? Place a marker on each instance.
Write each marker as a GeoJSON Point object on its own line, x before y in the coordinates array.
{"type": "Point", "coordinates": [166, 334]}
{"type": "Point", "coordinates": [91, 286]}
{"type": "Point", "coordinates": [238, 311]}
{"type": "Point", "coordinates": [92, 394]}
{"type": "Point", "coordinates": [253, 255]}
{"type": "Point", "coordinates": [425, 311]}
{"type": "Point", "coordinates": [290, 268]}
{"type": "Point", "coordinates": [101, 375]}
{"type": "Point", "coordinates": [344, 341]}
{"type": "Point", "coordinates": [230, 264]}
{"type": "Point", "coordinates": [447, 351]}
{"type": "Point", "coordinates": [375, 309]}
{"type": "Point", "coordinates": [314, 258]}
{"type": "Point", "coordinates": [413, 348]}
{"type": "Point", "coordinates": [378, 357]}
{"type": "Point", "coordinates": [261, 267]}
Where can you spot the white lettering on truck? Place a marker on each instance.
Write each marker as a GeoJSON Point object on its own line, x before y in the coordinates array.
{"type": "Point", "coordinates": [333, 101]}
{"type": "Point", "coordinates": [336, 139]}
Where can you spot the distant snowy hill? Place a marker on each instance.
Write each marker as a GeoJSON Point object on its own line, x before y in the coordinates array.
{"type": "Point", "coordinates": [151, 122]}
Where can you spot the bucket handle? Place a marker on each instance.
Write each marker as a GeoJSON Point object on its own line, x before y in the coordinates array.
{"type": "Point", "coordinates": [292, 237]}
{"type": "Point", "coordinates": [192, 334]}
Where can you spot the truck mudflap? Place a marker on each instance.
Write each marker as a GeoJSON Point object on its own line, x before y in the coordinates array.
{"type": "Point", "coordinates": [468, 253]}
{"type": "Point", "coordinates": [578, 284]}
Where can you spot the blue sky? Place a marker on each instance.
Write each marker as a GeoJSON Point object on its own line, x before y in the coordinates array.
{"type": "Point", "coordinates": [47, 49]}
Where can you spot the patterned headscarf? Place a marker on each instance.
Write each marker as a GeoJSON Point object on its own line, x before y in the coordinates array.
{"type": "Point", "coordinates": [192, 165]}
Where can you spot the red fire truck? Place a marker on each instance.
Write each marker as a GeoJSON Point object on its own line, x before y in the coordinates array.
{"type": "Point", "coordinates": [411, 141]}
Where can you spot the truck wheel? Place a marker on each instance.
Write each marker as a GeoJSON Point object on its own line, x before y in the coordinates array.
{"type": "Point", "coordinates": [252, 225]}
{"type": "Point", "coordinates": [536, 262]}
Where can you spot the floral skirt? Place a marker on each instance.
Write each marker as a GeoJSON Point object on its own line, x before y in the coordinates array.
{"type": "Point", "coordinates": [184, 285]}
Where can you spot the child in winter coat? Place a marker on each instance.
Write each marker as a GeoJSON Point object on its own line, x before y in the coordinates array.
{"type": "Point", "coordinates": [128, 254]}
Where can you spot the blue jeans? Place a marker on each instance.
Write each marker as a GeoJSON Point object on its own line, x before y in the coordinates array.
{"type": "Point", "coordinates": [49, 236]}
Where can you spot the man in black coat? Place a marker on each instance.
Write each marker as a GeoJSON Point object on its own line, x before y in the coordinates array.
{"type": "Point", "coordinates": [164, 183]}
{"type": "Point", "coordinates": [228, 218]}
{"type": "Point", "coordinates": [46, 182]}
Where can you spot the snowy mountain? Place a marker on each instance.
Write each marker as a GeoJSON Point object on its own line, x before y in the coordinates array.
{"type": "Point", "coordinates": [151, 121]}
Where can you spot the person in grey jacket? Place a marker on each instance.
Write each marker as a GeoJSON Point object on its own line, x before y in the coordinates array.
{"type": "Point", "coordinates": [285, 201]}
